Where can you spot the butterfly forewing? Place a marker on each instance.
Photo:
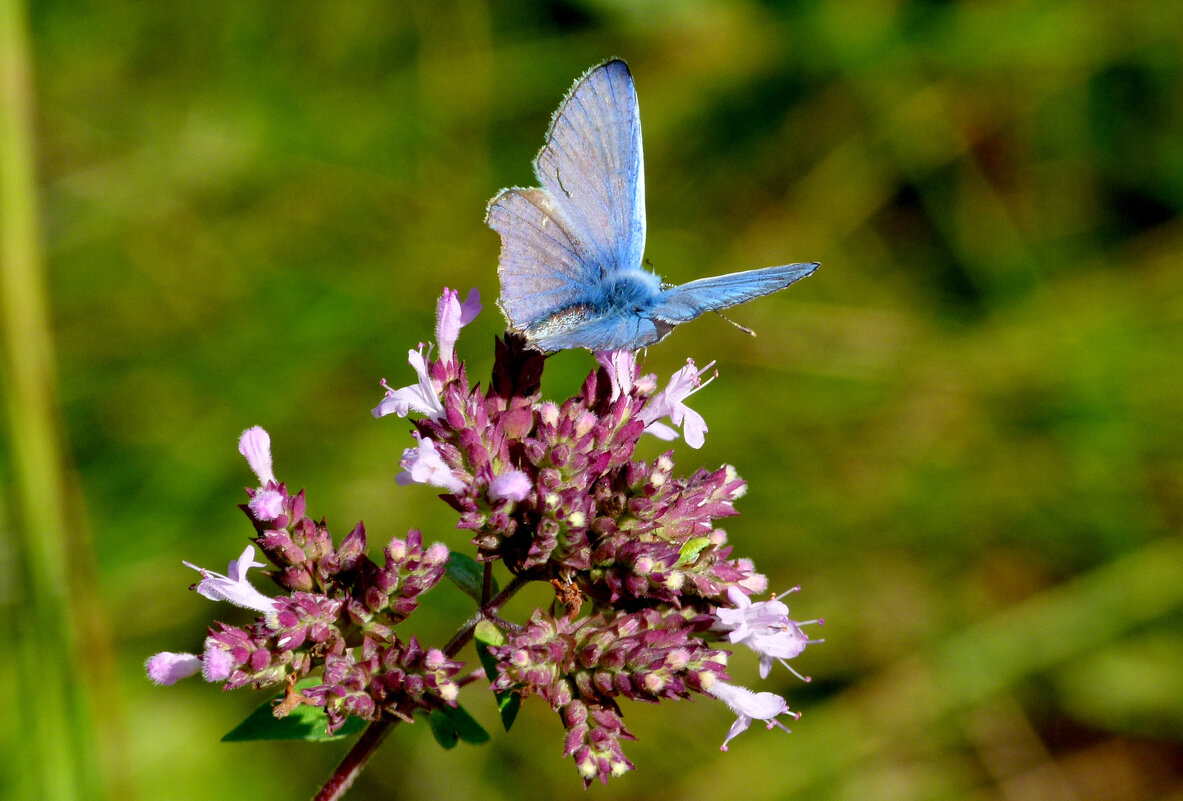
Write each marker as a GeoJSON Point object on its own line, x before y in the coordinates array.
{"type": "Point", "coordinates": [684, 302]}
{"type": "Point", "coordinates": [593, 166]}
{"type": "Point", "coordinates": [542, 266]}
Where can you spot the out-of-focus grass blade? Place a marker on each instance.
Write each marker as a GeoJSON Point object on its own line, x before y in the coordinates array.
{"type": "Point", "coordinates": [55, 742]}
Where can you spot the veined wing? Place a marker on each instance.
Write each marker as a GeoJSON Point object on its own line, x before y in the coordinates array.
{"type": "Point", "coordinates": [543, 265]}
{"type": "Point", "coordinates": [580, 327]}
{"type": "Point", "coordinates": [593, 166]}
{"type": "Point", "coordinates": [685, 302]}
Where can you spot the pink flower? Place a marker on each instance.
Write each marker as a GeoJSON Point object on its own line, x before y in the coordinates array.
{"type": "Point", "coordinates": [450, 316]}
{"type": "Point", "coordinates": [670, 402]}
{"type": "Point", "coordinates": [764, 627]}
{"type": "Point", "coordinates": [169, 668]}
{"type": "Point", "coordinates": [423, 465]}
{"type": "Point", "coordinates": [234, 587]}
{"type": "Point", "coordinates": [216, 663]}
{"type": "Point", "coordinates": [749, 706]}
{"type": "Point", "coordinates": [422, 397]}
{"type": "Point", "coordinates": [621, 367]}
{"type": "Point", "coordinates": [255, 445]}
{"type": "Point", "coordinates": [512, 485]}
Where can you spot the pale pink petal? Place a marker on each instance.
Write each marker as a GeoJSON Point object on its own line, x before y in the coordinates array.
{"type": "Point", "coordinates": [621, 367]}
{"type": "Point", "coordinates": [234, 588]}
{"type": "Point", "coordinates": [168, 668]}
{"type": "Point", "coordinates": [424, 465]}
{"type": "Point", "coordinates": [266, 504]}
{"type": "Point", "coordinates": [420, 397]}
{"type": "Point", "coordinates": [471, 307]}
{"type": "Point", "coordinates": [451, 316]}
{"type": "Point", "coordinates": [216, 663]}
{"type": "Point", "coordinates": [255, 445]}
{"type": "Point", "coordinates": [512, 485]}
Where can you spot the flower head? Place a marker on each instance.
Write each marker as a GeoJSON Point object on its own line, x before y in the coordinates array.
{"type": "Point", "coordinates": [267, 501]}
{"type": "Point", "coordinates": [749, 706]}
{"type": "Point", "coordinates": [450, 316]}
{"type": "Point", "coordinates": [234, 587]}
{"type": "Point", "coordinates": [420, 397]}
{"type": "Point", "coordinates": [423, 465]}
{"type": "Point", "coordinates": [671, 402]}
{"type": "Point", "coordinates": [621, 367]}
{"type": "Point", "coordinates": [764, 627]}
{"type": "Point", "coordinates": [168, 668]}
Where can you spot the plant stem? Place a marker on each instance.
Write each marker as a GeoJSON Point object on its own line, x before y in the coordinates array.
{"type": "Point", "coordinates": [376, 732]}
{"type": "Point", "coordinates": [356, 759]}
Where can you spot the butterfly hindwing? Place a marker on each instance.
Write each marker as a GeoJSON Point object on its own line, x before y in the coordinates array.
{"type": "Point", "coordinates": [593, 165]}
{"type": "Point", "coordinates": [684, 302]}
{"type": "Point", "coordinates": [576, 329]}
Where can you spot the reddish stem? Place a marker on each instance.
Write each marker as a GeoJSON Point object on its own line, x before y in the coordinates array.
{"type": "Point", "coordinates": [356, 759]}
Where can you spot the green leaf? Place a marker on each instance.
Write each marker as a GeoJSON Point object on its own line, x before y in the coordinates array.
{"type": "Point", "coordinates": [468, 574]}
{"type": "Point", "coordinates": [487, 632]}
{"type": "Point", "coordinates": [450, 725]}
{"type": "Point", "coordinates": [508, 703]}
{"type": "Point", "coordinates": [690, 552]}
{"type": "Point", "coordinates": [308, 723]}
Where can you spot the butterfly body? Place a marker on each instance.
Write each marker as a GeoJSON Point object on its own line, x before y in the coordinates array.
{"type": "Point", "coordinates": [571, 250]}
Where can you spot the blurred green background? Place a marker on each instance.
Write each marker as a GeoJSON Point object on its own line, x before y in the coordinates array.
{"type": "Point", "coordinates": [962, 435]}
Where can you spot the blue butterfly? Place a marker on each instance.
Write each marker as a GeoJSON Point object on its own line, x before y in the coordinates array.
{"type": "Point", "coordinates": [571, 251]}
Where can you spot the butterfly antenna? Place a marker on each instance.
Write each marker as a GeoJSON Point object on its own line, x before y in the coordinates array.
{"type": "Point", "coordinates": [743, 328]}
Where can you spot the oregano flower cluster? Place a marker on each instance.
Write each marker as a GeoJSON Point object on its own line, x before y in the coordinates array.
{"type": "Point", "coordinates": [648, 598]}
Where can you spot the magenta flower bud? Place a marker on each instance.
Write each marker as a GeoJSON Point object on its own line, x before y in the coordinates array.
{"type": "Point", "coordinates": [437, 553]}
{"type": "Point", "coordinates": [259, 660]}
